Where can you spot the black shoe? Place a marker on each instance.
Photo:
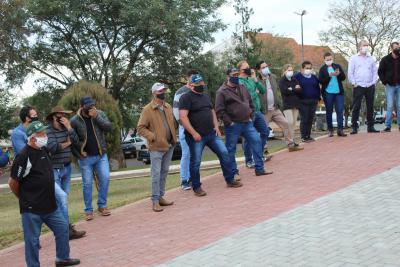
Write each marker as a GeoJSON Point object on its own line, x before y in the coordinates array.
{"type": "Point", "coordinates": [75, 234]}
{"type": "Point", "coordinates": [354, 131]}
{"type": "Point", "coordinates": [263, 172]}
{"type": "Point", "coordinates": [68, 262]}
{"type": "Point", "coordinates": [372, 130]}
{"type": "Point", "coordinates": [387, 130]}
{"type": "Point", "coordinates": [234, 184]}
{"type": "Point", "coordinates": [341, 133]}
{"type": "Point", "coordinates": [310, 139]}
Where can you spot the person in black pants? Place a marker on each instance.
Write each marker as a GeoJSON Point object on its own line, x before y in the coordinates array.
{"type": "Point", "coordinates": [309, 97]}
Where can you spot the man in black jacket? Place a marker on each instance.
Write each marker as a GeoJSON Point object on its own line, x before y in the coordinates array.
{"type": "Point", "coordinates": [389, 74]}
{"type": "Point", "coordinates": [331, 76]}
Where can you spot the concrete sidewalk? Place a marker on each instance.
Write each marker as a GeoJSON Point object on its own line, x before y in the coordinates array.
{"type": "Point", "coordinates": [335, 204]}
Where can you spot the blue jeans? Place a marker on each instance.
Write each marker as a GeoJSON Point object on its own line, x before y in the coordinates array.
{"type": "Point", "coordinates": [391, 92]}
{"type": "Point", "coordinates": [62, 178]}
{"type": "Point", "coordinates": [160, 161]}
{"type": "Point", "coordinates": [338, 101]}
{"type": "Point", "coordinates": [262, 127]}
{"type": "Point", "coordinates": [32, 225]}
{"type": "Point", "coordinates": [99, 164]}
{"type": "Point", "coordinates": [185, 159]}
{"type": "Point", "coordinates": [216, 145]}
{"type": "Point", "coordinates": [247, 130]}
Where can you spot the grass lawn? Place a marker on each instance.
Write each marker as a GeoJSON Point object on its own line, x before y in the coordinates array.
{"type": "Point", "coordinates": [121, 192]}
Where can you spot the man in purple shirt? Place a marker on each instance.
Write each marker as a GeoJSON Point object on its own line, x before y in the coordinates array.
{"type": "Point", "coordinates": [363, 76]}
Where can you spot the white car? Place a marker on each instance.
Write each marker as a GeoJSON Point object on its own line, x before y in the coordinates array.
{"type": "Point", "coordinates": [334, 120]}
{"type": "Point", "coordinates": [139, 142]}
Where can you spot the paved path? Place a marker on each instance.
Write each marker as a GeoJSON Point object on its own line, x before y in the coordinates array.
{"type": "Point", "coordinates": [333, 203]}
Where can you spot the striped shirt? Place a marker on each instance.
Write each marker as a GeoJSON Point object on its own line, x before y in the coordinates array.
{"type": "Point", "coordinates": [175, 105]}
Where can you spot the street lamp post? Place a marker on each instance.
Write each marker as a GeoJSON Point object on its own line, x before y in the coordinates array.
{"type": "Point", "coordinates": [302, 40]}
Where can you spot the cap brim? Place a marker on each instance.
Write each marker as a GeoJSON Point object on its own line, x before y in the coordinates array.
{"type": "Point", "coordinates": [41, 129]}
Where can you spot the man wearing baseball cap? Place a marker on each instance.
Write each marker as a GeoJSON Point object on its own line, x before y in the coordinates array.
{"type": "Point", "coordinates": [198, 117]}
{"type": "Point", "coordinates": [157, 125]}
{"type": "Point", "coordinates": [32, 181]}
{"type": "Point", "coordinates": [91, 124]}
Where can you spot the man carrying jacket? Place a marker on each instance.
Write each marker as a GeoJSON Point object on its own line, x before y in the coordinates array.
{"type": "Point", "coordinates": [389, 74]}
{"type": "Point", "coordinates": [157, 125]}
{"type": "Point", "coordinates": [91, 125]}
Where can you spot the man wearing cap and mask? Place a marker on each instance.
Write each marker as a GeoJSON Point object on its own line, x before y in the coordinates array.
{"type": "Point", "coordinates": [19, 139]}
{"type": "Point", "coordinates": [157, 125]}
{"type": "Point", "coordinates": [91, 124]}
{"type": "Point", "coordinates": [198, 117]}
{"type": "Point", "coordinates": [32, 181]}
{"type": "Point", "coordinates": [235, 108]}
{"type": "Point", "coordinates": [61, 136]}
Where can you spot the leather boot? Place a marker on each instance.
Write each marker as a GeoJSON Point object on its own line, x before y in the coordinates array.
{"type": "Point", "coordinates": [330, 132]}
{"type": "Point", "coordinates": [341, 133]}
{"type": "Point", "coordinates": [75, 234]}
{"type": "Point", "coordinates": [164, 202]}
{"type": "Point", "coordinates": [157, 207]}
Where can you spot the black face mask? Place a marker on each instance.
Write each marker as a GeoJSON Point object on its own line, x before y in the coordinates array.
{"type": "Point", "coordinates": [247, 71]}
{"type": "Point", "coordinates": [199, 89]}
{"type": "Point", "coordinates": [397, 51]}
{"type": "Point", "coordinates": [58, 119]}
{"type": "Point", "coordinates": [161, 96]}
{"type": "Point", "coordinates": [33, 119]}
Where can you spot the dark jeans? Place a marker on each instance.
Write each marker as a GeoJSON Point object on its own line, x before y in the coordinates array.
{"type": "Point", "coordinates": [307, 114]}
{"type": "Point", "coordinates": [218, 147]}
{"type": "Point", "coordinates": [261, 126]}
{"type": "Point", "coordinates": [247, 130]}
{"type": "Point", "coordinates": [358, 93]}
{"type": "Point", "coordinates": [338, 101]}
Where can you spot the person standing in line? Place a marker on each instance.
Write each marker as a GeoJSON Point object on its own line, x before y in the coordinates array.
{"type": "Point", "coordinates": [363, 76]}
{"type": "Point", "coordinates": [290, 90]}
{"type": "Point", "coordinates": [157, 125]}
{"type": "Point", "coordinates": [309, 96]}
{"type": "Point", "coordinates": [248, 78]}
{"type": "Point", "coordinates": [19, 139]}
{"type": "Point", "coordinates": [185, 159]}
{"type": "Point", "coordinates": [32, 182]}
{"type": "Point", "coordinates": [233, 105]}
{"type": "Point", "coordinates": [389, 74]}
{"type": "Point", "coordinates": [61, 136]}
{"type": "Point", "coordinates": [271, 103]}
{"type": "Point", "coordinates": [198, 117]}
{"type": "Point", "coordinates": [91, 124]}
{"type": "Point", "coordinates": [331, 76]}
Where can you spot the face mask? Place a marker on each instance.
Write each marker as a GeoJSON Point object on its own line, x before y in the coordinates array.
{"type": "Point", "coordinates": [265, 71]}
{"type": "Point", "coordinates": [199, 89]}
{"type": "Point", "coordinates": [33, 119]}
{"type": "Point", "coordinates": [364, 49]}
{"type": "Point", "coordinates": [58, 119]}
{"type": "Point", "coordinates": [397, 51]}
{"type": "Point", "coordinates": [307, 72]}
{"type": "Point", "coordinates": [161, 96]}
{"type": "Point", "coordinates": [328, 62]}
{"type": "Point", "coordinates": [247, 71]}
{"type": "Point", "coordinates": [234, 80]}
{"type": "Point", "coordinates": [289, 74]}
{"type": "Point", "coordinates": [41, 141]}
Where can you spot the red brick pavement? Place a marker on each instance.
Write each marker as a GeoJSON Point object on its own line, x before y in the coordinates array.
{"type": "Point", "coordinates": [136, 236]}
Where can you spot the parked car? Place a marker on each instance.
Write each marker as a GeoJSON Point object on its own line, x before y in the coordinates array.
{"type": "Point", "coordinates": [129, 149]}
{"type": "Point", "coordinates": [138, 141]}
{"type": "Point", "coordinates": [144, 155]}
{"type": "Point", "coordinates": [334, 120]}
{"type": "Point", "coordinates": [379, 117]}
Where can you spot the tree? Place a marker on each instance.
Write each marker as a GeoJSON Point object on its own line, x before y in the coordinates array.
{"type": "Point", "coordinates": [8, 113]}
{"type": "Point", "coordinates": [113, 42]}
{"type": "Point", "coordinates": [354, 20]}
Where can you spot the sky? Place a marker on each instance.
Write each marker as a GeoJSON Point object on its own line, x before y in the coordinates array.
{"type": "Point", "coordinates": [276, 16]}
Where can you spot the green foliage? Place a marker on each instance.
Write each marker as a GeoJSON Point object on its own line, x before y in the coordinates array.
{"type": "Point", "coordinates": [104, 102]}
{"type": "Point", "coordinates": [8, 113]}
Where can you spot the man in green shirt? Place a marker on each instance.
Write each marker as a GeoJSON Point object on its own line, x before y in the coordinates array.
{"type": "Point", "coordinates": [248, 78]}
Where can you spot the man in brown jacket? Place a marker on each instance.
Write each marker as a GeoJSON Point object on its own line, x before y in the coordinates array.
{"type": "Point", "coordinates": [157, 125]}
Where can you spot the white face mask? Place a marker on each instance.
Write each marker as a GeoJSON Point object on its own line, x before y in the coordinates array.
{"type": "Point", "coordinates": [328, 62]}
{"type": "Point", "coordinates": [289, 74]}
{"type": "Point", "coordinates": [308, 72]}
{"type": "Point", "coordinates": [364, 50]}
{"type": "Point", "coordinates": [41, 141]}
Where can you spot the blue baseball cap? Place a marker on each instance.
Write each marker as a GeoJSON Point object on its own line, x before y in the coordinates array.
{"type": "Point", "coordinates": [87, 101]}
{"type": "Point", "coordinates": [196, 79]}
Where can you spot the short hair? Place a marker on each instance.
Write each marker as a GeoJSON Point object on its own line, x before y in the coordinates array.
{"type": "Point", "coordinates": [360, 43]}
{"type": "Point", "coordinates": [327, 54]}
{"type": "Point", "coordinates": [306, 62]}
{"type": "Point", "coordinates": [24, 112]}
{"type": "Point", "coordinates": [258, 65]}
{"type": "Point", "coordinates": [285, 67]}
{"type": "Point", "coordinates": [241, 63]}
{"type": "Point", "coordinates": [393, 43]}
{"type": "Point", "coordinates": [191, 72]}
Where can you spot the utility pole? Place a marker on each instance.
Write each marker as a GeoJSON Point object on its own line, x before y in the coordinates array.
{"type": "Point", "coordinates": [302, 39]}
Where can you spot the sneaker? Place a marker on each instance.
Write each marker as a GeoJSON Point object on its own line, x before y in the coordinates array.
{"type": "Point", "coordinates": [185, 185]}
{"type": "Point", "coordinates": [164, 202]}
{"type": "Point", "coordinates": [75, 234]}
{"type": "Point", "coordinates": [372, 130]}
{"type": "Point", "coordinates": [234, 184]}
{"type": "Point", "coordinates": [263, 172]}
{"type": "Point", "coordinates": [387, 130]}
{"type": "Point", "coordinates": [68, 262]}
{"type": "Point", "coordinates": [89, 216]}
{"type": "Point", "coordinates": [250, 165]}
{"type": "Point", "coordinates": [266, 158]}
{"type": "Point", "coordinates": [237, 177]}
{"type": "Point", "coordinates": [104, 211]}
{"type": "Point", "coordinates": [199, 192]}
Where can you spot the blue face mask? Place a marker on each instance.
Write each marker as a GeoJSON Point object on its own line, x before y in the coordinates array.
{"type": "Point", "coordinates": [265, 71]}
{"type": "Point", "coordinates": [234, 80]}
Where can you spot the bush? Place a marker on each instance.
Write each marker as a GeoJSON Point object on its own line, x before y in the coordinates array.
{"type": "Point", "coordinates": [104, 102]}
